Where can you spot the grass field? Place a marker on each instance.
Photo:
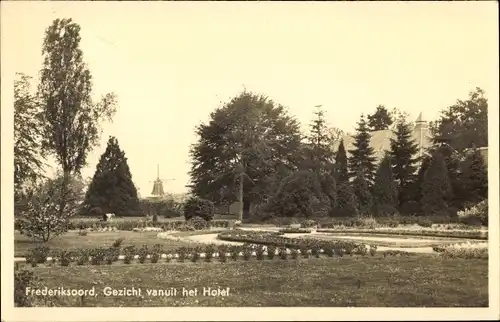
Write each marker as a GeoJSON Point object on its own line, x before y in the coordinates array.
{"type": "Point", "coordinates": [414, 281]}
{"type": "Point", "coordinates": [73, 241]}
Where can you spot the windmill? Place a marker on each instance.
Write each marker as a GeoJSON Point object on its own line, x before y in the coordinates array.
{"type": "Point", "coordinates": [158, 191]}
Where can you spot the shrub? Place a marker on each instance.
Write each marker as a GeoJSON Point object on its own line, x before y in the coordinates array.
{"type": "Point", "coordinates": [198, 223]}
{"type": "Point", "coordinates": [373, 250]}
{"type": "Point", "coordinates": [65, 257]}
{"type": "Point", "coordinates": [82, 257]}
{"type": "Point", "coordinates": [111, 255]}
{"type": "Point", "coordinates": [39, 254]}
{"type": "Point", "coordinates": [82, 232]}
{"type": "Point", "coordinates": [97, 256]}
{"type": "Point", "coordinates": [129, 253]}
{"type": "Point", "coordinates": [475, 215]}
{"type": "Point", "coordinates": [198, 207]}
{"type": "Point", "coordinates": [309, 223]}
{"type": "Point", "coordinates": [156, 253]}
{"type": "Point", "coordinates": [424, 222]}
{"type": "Point", "coordinates": [195, 254]}
{"type": "Point", "coordinates": [259, 252]}
{"type": "Point", "coordinates": [282, 252]}
{"type": "Point", "coordinates": [22, 280]}
{"type": "Point", "coordinates": [295, 253]}
{"type": "Point", "coordinates": [235, 252]}
{"type": "Point", "coordinates": [368, 222]}
{"type": "Point", "coordinates": [247, 251]}
{"type": "Point", "coordinates": [118, 242]}
{"type": "Point", "coordinates": [271, 251]}
{"type": "Point", "coordinates": [304, 252]}
{"type": "Point", "coordinates": [143, 254]}
{"type": "Point", "coordinates": [209, 252]}
{"type": "Point", "coordinates": [181, 252]}
{"type": "Point", "coordinates": [315, 251]}
{"type": "Point", "coordinates": [223, 249]}
{"type": "Point", "coordinates": [41, 217]}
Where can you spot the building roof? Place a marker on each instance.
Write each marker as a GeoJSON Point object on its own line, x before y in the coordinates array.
{"type": "Point", "coordinates": [381, 140]}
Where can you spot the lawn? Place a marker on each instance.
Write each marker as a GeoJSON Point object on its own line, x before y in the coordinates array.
{"type": "Point", "coordinates": [413, 281]}
{"type": "Point", "coordinates": [72, 241]}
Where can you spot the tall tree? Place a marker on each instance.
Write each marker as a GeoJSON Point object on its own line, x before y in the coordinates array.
{"type": "Point", "coordinates": [112, 189]}
{"type": "Point", "coordinates": [381, 119]}
{"type": "Point", "coordinates": [341, 167]}
{"type": "Point", "coordinates": [403, 153]}
{"type": "Point", "coordinates": [464, 124]}
{"type": "Point", "coordinates": [320, 155]}
{"type": "Point", "coordinates": [243, 145]}
{"type": "Point", "coordinates": [71, 121]}
{"type": "Point", "coordinates": [385, 189]}
{"type": "Point", "coordinates": [361, 159]}
{"type": "Point", "coordinates": [474, 178]}
{"type": "Point", "coordinates": [28, 162]}
{"type": "Point", "coordinates": [361, 188]}
{"type": "Point", "coordinates": [436, 186]}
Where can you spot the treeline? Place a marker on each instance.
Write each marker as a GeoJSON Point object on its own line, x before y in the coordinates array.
{"type": "Point", "coordinates": [252, 150]}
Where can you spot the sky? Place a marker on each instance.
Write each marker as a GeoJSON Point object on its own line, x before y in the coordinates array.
{"type": "Point", "coordinates": [171, 64]}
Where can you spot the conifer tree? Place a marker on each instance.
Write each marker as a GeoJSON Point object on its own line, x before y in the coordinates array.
{"type": "Point", "coordinates": [112, 189]}
{"type": "Point", "coordinates": [363, 193]}
{"type": "Point", "coordinates": [320, 155]}
{"type": "Point", "coordinates": [404, 160]}
{"type": "Point", "coordinates": [346, 201]}
{"type": "Point", "coordinates": [475, 178]}
{"type": "Point", "coordinates": [385, 190]}
{"type": "Point", "coordinates": [361, 159]}
{"type": "Point", "coordinates": [436, 186]}
{"type": "Point", "coordinates": [341, 168]}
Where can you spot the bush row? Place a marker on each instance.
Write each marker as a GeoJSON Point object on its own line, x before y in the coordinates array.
{"type": "Point", "coordinates": [295, 231]}
{"type": "Point", "coordinates": [471, 234]}
{"type": "Point", "coordinates": [453, 252]}
{"type": "Point", "coordinates": [129, 225]}
{"type": "Point", "coordinates": [329, 222]}
{"type": "Point", "coordinates": [108, 256]}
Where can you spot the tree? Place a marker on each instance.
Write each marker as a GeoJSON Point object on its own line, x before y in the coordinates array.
{"type": "Point", "coordinates": [341, 168]}
{"type": "Point", "coordinates": [404, 161]}
{"type": "Point", "coordinates": [436, 186]}
{"type": "Point", "coordinates": [28, 163]}
{"type": "Point", "coordinates": [299, 195]}
{"type": "Point", "coordinates": [362, 158]}
{"type": "Point", "coordinates": [245, 143]}
{"type": "Point", "coordinates": [385, 189]}
{"type": "Point", "coordinates": [474, 178]}
{"type": "Point", "coordinates": [362, 191]}
{"type": "Point", "coordinates": [40, 217]}
{"type": "Point", "coordinates": [320, 155]}
{"type": "Point", "coordinates": [70, 119]}
{"type": "Point", "coordinates": [112, 189]}
{"type": "Point", "coordinates": [381, 119]}
{"type": "Point", "coordinates": [464, 124]}
{"type": "Point", "coordinates": [347, 205]}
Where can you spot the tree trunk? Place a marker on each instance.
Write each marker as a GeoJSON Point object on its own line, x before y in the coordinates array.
{"type": "Point", "coordinates": [246, 208]}
{"type": "Point", "coordinates": [240, 196]}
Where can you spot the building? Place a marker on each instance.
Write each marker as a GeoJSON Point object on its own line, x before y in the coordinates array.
{"type": "Point", "coordinates": [381, 140]}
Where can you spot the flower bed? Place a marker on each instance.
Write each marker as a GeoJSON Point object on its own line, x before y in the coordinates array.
{"type": "Point", "coordinates": [273, 239]}
{"type": "Point", "coordinates": [295, 231]}
{"type": "Point", "coordinates": [464, 250]}
{"type": "Point", "coordinates": [270, 245]}
{"type": "Point", "coordinates": [471, 234]}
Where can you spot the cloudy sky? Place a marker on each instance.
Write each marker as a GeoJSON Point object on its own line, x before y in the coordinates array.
{"type": "Point", "coordinates": [171, 64]}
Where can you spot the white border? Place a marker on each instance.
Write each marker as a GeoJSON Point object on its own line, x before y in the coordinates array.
{"type": "Point", "coordinates": [9, 313]}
